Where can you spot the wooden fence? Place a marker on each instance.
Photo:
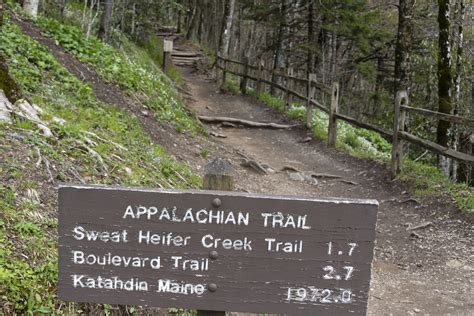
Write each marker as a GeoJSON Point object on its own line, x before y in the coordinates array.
{"type": "Point", "coordinates": [258, 74]}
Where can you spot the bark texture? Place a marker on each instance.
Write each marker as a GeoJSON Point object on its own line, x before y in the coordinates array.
{"type": "Point", "coordinates": [227, 26]}
{"type": "Point", "coordinates": [403, 45]}
{"type": "Point", "coordinates": [445, 78]}
{"type": "Point", "coordinates": [105, 20]}
{"type": "Point", "coordinates": [31, 7]}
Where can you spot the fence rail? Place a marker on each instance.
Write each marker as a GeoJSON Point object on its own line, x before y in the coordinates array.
{"type": "Point", "coordinates": [401, 109]}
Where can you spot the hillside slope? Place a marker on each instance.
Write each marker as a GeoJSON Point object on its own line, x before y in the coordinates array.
{"type": "Point", "coordinates": [67, 133]}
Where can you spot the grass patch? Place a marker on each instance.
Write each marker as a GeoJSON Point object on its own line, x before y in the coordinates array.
{"type": "Point", "coordinates": [231, 84]}
{"type": "Point", "coordinates": [432, 182]}
{"type": "Point", "coordinates": [272, 101]}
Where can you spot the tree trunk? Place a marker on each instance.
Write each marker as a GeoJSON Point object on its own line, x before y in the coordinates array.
{"type": "Point", "coordinates": [279, 61]}
{"type": "Point", "coordinates": [31, 7]}
{"type": "Point", "coordinates": [1, 15]}
{"type": "Point", "coordinates": [312, 39]}
{"type": "Point", "coordinates": [226, 27]}
{"type": "Point", "coordinates": [200, 29]}
{"type": "Point", "coordinates": [460, 14]}
{"type": "Point", "coordinates": [445, 80]}
{"type": "Point", "coordinates": [105, 20]}
{"type": "Point", "coordinates": [122, 18]}
{"type": "Point", "coordinates": [134, 12]}
{"type": "Point", "coordinates": [403, 45]}
{"type": "Point", "coordinates": [191, 21]}
{"type": "Point", "coordinates": [92, 16]}
{"type": "Point", "coordinates": [63, 8]}
{"type": "Point", "coordinates": [180, 13]}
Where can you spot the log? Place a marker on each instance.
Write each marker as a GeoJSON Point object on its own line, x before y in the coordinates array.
{"type": "Point", "coordinates": [184, 54]}
{"type": "Point", "coordinates": [177, 58]}
{"type": "Point", "coordinates": [222, 119]}
{"type": "Point", "coordinates": [325, 176]}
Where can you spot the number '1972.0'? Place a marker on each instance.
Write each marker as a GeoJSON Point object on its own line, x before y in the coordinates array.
{"type": "Point", "coordinates": [317, 295]}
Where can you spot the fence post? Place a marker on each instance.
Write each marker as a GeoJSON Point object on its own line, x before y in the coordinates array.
{"type": "Point", "coordinates": [398, 125]}
{"type": "Point", "coordinates": [332, 128]}
{"type": "Point", "coordinates": [243, 81]}
{"type": "Point", "coordinates": [309, 105]}
{"type": "Point", "coordinates": [289, 87]}
{"type": "Point", "coordinates": [167, 50]}
{"type": "Point", "coordinates": [260, 74]}
{"type": "Point", "coordinates": [219, 175]}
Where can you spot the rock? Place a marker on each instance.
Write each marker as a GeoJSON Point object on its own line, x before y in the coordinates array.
{"type": "Point", "coordinates": [37, 108]}
{"type": "Point", "coordinates": [145, 113]}
{"type": "Point", "coordinates": [29, 111]}
{"type": "Point", "coordinates": [46, 131]}
{"type": "Point", "coordinates": [296, 176]}
{"type": "Point", "coordinates": [302, 177]}
{"type": "Point", "coordinates": [311, 180]}
{"type": "Point", "coordinates": [305, 140]}
{"type": "Point", "coordinates": [215, 134]}
{"type": "Point", "coordinates": [128, 171]}
{"type": "Point", "coordinates": [5, 109]}
{"type": "Point", "coordinates": [454, 264]}
{"type": "Point", "coordinates": [58, 121]}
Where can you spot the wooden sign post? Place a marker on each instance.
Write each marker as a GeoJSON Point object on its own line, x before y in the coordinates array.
{"type": "Point", "coordinates": [215, 251]}
{"type": "Point", "coordinates": [218, 175]}
{"type": "Point", "coordinates": [167, 51]}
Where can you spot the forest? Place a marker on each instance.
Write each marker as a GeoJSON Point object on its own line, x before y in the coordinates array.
{"type": "Point", "coordinates": [371, 48]}
{"type": "Point", "coordinates": [350, 99]}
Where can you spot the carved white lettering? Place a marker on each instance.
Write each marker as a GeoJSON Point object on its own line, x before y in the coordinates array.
{"type": "Point", "coordinates": [209, 241]}
{"type": "Point", "coordinates": [80, 233]}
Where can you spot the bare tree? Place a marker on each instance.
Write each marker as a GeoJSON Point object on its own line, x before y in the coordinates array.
{"type": "Point", "coordinates": [460, 17]}
{"type": "Point", "coordinates": [105, 20]}
{"type": "Point", "coordinates": [31, 7]}
{"type": "Point", "coordinates": [227, 26]}
{"type": "Point", "coordinates": [1, 15]}
{"type": "Point", "coordinates": [63, 8]}
{"type": "Point", "coordinates": [403, 45]}
{"type": "Point", "coordinates": [445, 79]}
{"type": "Point", "coordinates": [312, 38]}
{"type": "Point", "coordinates": [279, 62]}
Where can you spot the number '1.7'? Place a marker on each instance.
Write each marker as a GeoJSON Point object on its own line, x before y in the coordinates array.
{"type": "Point", "coordinates": [351, 246]}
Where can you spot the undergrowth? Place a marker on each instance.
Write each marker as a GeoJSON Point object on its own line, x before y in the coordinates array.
{"type": "Point", "coordinates": [131, 72]}
{"type": "Point", "coordinates": [427, 180]}
{"type": "Point", "coordinates": [92, 142]}
{"type": "Point", "coordinates": [430, 181]}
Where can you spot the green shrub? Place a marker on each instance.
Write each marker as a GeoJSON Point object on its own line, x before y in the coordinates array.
{"type": "Point", "coordinates": [272, 101]}
{"type": "Point", "coordinates": [132, 74]}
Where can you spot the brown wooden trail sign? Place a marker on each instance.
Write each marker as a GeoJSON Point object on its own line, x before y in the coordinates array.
{"type": "Point", "coordinates": [215, 250]}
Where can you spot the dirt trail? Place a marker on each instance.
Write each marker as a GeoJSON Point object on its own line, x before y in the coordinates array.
{"type": "Point", "coordinates": [430, 273]}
